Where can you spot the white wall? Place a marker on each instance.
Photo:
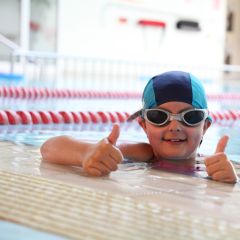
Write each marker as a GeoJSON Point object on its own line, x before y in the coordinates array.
{"type": "Point", "coordinates": [92, 28]}
{"type": "Point", "coordinates": [43, 14]}
{"type": "Point", "coordinates": [232, 46]}
{"type": "Point", "coordinates": [10, 19]}
{"type": "Point", "coordinates": [9, 24]}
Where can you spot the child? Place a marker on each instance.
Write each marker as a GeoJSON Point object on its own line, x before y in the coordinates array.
{"type": "Point", "coordinates": [174, 117]}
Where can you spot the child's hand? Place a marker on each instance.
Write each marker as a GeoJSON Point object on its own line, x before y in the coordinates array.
{"type": "Point", "coordinates": [103, 157]}
{"type": "Point", "coordinates": [218, 165]}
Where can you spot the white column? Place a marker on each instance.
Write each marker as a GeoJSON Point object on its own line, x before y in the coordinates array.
{"type": "Point", "coordinates": [60, 14]}
{"type": "Point", "coordinates": [24, 24]}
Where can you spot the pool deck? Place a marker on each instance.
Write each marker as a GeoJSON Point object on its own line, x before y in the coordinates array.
{"type": "Point", "coordinates": [135, 202]}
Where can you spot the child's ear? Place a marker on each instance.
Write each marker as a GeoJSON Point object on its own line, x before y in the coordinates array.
{"type": "Point", "coordinates": [142, 123]}
{"type": "Point", "coordinates": [207, 124]}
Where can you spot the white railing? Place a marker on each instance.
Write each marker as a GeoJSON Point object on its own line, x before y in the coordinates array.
{"type": "Point", "coordinates": [52, 70]}
{"type": "Point", "coordinates": [9, 44]}
{"type": "Point", "coordinates": [68, 71]}
{"type": "Point", "coordinates": [11, 47]}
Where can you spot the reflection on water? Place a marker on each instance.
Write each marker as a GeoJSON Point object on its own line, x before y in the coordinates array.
{"type": "Point", "coordinates": [36, 135]}
{"type": "Point", "coordinates": [214, 133]}
{"type": "Point", "coordinates": [23, 136]}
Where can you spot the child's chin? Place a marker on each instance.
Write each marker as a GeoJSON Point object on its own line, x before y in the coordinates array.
{"type": "Point", "coordinates": [176, 157]}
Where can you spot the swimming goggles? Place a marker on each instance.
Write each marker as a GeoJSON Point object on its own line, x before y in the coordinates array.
{"type": "Point", "coordinates": [160, 117]}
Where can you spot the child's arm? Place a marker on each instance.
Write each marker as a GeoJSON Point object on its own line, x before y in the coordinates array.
{"type": "Point", "coordinates": [218, 165]}
{"type": "Point", "coordinates": [65, 150]}
{"type": "Point", "coordinates": [139, 152]}
{"type": "Point", "coordinates": [96, 158]}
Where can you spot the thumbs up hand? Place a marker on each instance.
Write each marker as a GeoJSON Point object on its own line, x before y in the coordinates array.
{"type": "Point", "coordinates": [218, 165]}
{"type": "Point", "coordinates": [114, 134]}
{"type": "Point", "coordinates": [103, 157]}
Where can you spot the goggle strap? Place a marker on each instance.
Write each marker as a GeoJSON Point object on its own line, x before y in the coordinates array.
{"type": "Point", "coordinates": [134, 115]}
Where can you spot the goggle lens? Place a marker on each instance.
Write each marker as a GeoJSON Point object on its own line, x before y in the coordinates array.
{"type": "Point", "coordinates": [193, 117]}
{"type": "Point", "coordinates": [157, 117]}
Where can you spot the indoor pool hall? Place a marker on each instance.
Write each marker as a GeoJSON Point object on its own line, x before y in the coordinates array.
{"type": "Point", "coordinates": [77, 72]}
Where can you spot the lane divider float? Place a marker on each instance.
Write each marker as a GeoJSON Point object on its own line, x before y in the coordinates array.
{"type": "Point", "coordinates": [45, 93]}
{"type": "Point", "coordinates": [12, 117]}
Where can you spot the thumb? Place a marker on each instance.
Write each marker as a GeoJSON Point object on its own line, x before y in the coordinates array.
{"type": "Point", "coordinates": [114, 134]}
{"type": "Point", "coordinates": [222, 143]}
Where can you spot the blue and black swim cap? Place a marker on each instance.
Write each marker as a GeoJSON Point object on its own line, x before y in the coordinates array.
{"type": "Point", "coordinates": [172, 86]}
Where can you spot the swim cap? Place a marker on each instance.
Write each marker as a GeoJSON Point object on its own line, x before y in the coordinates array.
{"type": "Point", "coordinates": [172, 86]}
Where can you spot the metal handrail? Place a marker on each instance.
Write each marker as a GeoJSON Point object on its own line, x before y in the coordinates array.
{"type": "Point", "coordinates": [13, 47]}
{"type": "Point", "coordinates": [57, 56]}
{"type": "Point", "coordinates": [8, 43]}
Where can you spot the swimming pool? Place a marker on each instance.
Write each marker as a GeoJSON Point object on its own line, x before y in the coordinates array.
{"type": "Point", "coordinates": [135, 202]}
{"type": "Point", "coordinates": [104, 109]}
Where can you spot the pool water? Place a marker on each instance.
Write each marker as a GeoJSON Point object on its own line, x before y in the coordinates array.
{"type": "Point", "coordinates": [136, 202]}
{"type": "Point", "coordinates": [36, 134]}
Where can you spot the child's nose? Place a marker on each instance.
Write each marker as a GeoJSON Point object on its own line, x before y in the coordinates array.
{"type": "Point", "coordinates": [175, 125]}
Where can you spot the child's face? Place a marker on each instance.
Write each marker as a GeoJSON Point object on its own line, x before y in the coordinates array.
{"type": "Point", "coordinates": [175, 141]}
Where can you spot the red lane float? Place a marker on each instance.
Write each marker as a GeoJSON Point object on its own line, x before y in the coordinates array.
{"type": "Point", "coordinates": [105, 118]}
{"type": "Point", "coordinates": [74, 117]}
{"type": "Point", "coordinates": [67, 116]}
{"type": "Point", "coordinates": [85, 117]}
{"type": "Point", "coordinates": [44, 93]}
{"type": "Point", "coordinates": [25, 117]}
{"type": "Point", "coordinates": [36, 118]}
{"type": "Point", "coordinates": [46, 117]}
{"type": "Point", "coordinates": [3, 118]}
{"type": "Point", "coordinates": [95, 118]}
{"type": "Point", "coordinates": [56, 117]}
{"type": "Point", "coordinates": [13, 117]}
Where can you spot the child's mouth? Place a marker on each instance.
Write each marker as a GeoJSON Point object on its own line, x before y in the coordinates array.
{"type": "Point", "coordinates": [174, 140]}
